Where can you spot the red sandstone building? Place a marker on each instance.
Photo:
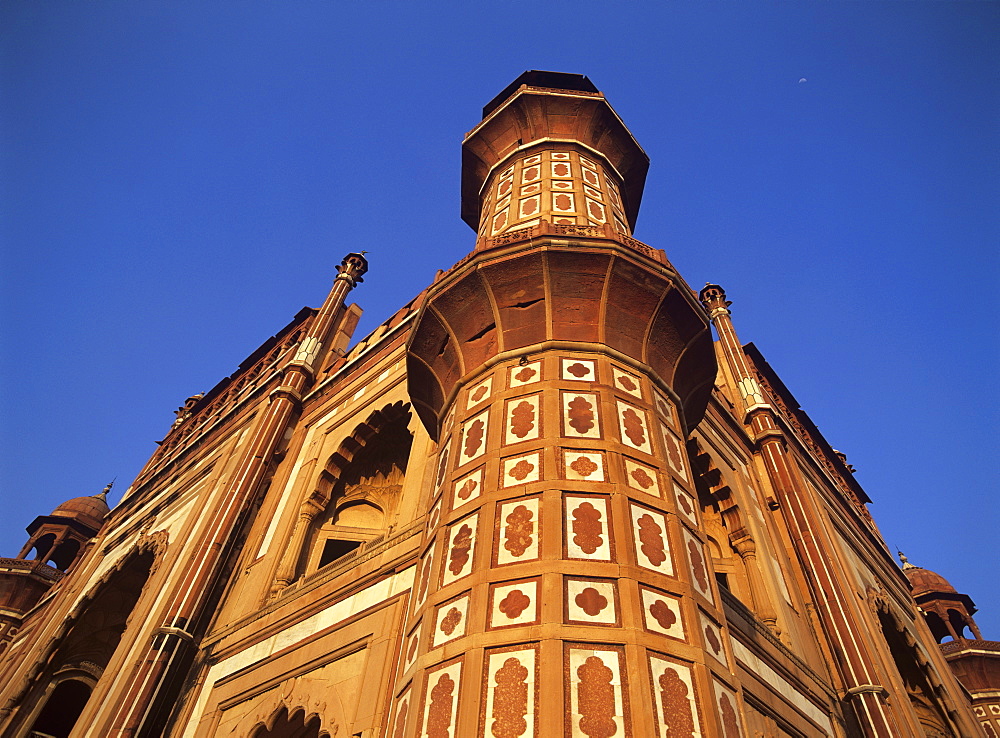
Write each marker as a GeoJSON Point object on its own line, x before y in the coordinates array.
{"type": "Point", "coordinates": [539, 500]}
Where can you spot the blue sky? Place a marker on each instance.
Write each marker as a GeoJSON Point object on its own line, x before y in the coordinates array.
{"type": "Point", "coordinates": [180, 178]}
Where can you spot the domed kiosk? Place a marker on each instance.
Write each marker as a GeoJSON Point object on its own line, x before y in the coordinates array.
{"type": "Point", "coordinates": [56, 542]}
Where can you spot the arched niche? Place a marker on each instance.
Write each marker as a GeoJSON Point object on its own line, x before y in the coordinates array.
{"type": "Point", "coordinates": [918, 680]}
{"type": "Point", "coordinates": [43, 545]}
{"type": "Point", "coordinates": [62, 708]}
{"type": "Point", "coordinates": [358, 491]}
{"type": "Point", "coordinates": [65, 554]}
{"type": "Point", "coordinates": [83, 648]}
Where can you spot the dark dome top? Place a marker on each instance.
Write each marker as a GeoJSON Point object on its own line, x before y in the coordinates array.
{"type": "Point", "coordinates": [90, 511]}
{"type": "Point", "coordinates": [925, 580]}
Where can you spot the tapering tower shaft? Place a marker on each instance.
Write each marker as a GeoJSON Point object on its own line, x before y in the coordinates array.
{"type": "Point", "coordinates": [812, 547]}
{"type": "Point", "coordinates": [560, 368]}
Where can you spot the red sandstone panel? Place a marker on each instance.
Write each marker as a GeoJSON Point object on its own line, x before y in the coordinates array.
{"type": "Point", "coordinates": [576, 285]}
{"type": "Point", "coordinates": [467, 309]}
{"type": "Point", "coordinates": [676, 323]}
{"type": "Point", "coordinates": [519, 291]}
{"type": "Point", "coordinates": [632, 297]}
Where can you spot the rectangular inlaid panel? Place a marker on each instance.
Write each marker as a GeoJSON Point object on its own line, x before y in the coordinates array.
{"type": "Point", "coordinates": [563, 202]}
{"type": "Point", "coordinates": [591, 602]}
{"type": "Point", "coordinates": [514, 603]}
{"type": "Point", "coordinates": [588, 532]}
{"type": "Point", "coordinates": [480, 393]}
{"type": "Point", "coordinates": [423, 582]}
{"type": "Point", "coordinates": [449, 421]}
{"type": "Point", "coordinates": [642, 477]}
{"type": "Point", "coordinates": [521, 419]}
{"type": "Point", "coordinates": [699, 568]}
{"type": "Point", "coordinates": [441, 690]}
{"type": "Point", "coordinates": [674, 698]}
{"type": "Point", "coordinates": [675, 453]}
{"type": "Point", "coordinates": [518, 530]}
{"type": "Point", "coordinates": [433, 517]}
{"type": "Point", "coordinates": [467, 488]}
{"type": "Point", "coordinates": [652, 543]}
{"type": "Point", "coordinates": [473, 440]}
{"type": "Point", "coordinates": [686, 504]}
{"type": "Point", "coordinates": [460, 549]}
{"type": "Point", "coordinates": [517, 470]}
{"type": "Point", "coordinates": [595, 211]}
{"type": "Point", "coordinates": [627, 382]}
{"type": "Point", "coordinates": [401, 713]}
{"type": "Point", "coordinates": [510, 690]}
{"type": "Point", "coordinates": [662, 613]}
{"type": "Point", "coordinates": [560, 169]}
{"type": "Point", "coordinates": [411, 649]}
{"type": "Point", "coordinates": [596, 692]}
{"type": "Point", "coordinates": [711, 634]}
{"type": "Point", "coordinates": [504, 185]}
{"type": "Point", "coordinates": [634, 427]}
{"type": "Point", "coordinates": [727, 710]}
{"type": "Point", "coordinates": [529, 206]}
{"type": "Point", "coordinates": [442, 465]}
{"type": "Point", "coordinates": [583, 466]}
{"type": "Point", "coordinates": [665, 408]}
{"type": "Point", "coordinates": [450, 620]}
{"type": "Point", "coordinates": [500, 221]}
{"type": "Point", "coordinates": [522, 375]}
{"type": "Point", "coordinates": [580, 417]}
{"type": "Point", "coordinates": [578, 370]}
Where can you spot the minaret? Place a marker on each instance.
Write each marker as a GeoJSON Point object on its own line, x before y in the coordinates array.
{"type": "Point", "coordinates": [560, 368]}
{"type": "Point", "coordinates": [857, 665]}
{"type": "Point", "coordinates": [164, 656]}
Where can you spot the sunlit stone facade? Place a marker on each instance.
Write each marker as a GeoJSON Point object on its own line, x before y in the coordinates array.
{"type": "Point", "coordinates": [539, 500]}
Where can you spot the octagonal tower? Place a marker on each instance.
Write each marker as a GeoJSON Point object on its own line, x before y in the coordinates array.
{"type": "Point", "coordinates": [560, 367]}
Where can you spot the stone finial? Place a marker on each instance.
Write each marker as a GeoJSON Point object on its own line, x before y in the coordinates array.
{"type": "Point", "coordinates": [906, 561]}
{"type": "Point", "coordinates": [103, 494]}
{"type": "Point", "coordinates": [352, 268]}
{"type": "Point", "coordinates": [713, 297]}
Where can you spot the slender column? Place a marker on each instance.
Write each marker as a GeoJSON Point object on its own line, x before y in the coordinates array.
{"type": "Point", "coordinates": [286, 573]}
{"type": "Point", "coordinates": [746, 547]}
{"type": "Point", "coordinates": [811, 547]}
{"type": "Point", "coordinates": [188, 598]}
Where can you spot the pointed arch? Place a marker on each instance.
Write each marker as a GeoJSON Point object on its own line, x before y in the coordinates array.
{"type": "Point", "coordinates": [297, 708]}
{"type": "Point", "coordinates": [87, 639]}
{"type": "Point", "coordinates": [355, 496]}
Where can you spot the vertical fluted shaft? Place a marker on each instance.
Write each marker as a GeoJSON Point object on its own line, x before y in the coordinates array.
{"type": "Point", "coordinates": [813, 549]}
{"type": "Point", "coordinates": [200, 569]}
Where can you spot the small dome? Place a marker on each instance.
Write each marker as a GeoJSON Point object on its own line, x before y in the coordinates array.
{"type": "Point", "coordinates": [925, 580]}
{"type": "Point", "coordinates": [90, 511]}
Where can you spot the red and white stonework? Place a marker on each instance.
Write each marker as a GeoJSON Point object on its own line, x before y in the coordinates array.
{"type": "Point", "coordinates": [551, 515]}
{"type": "Point", "coordinates": [539, 501]}
{"type": "Point", "coordinates": [560, 185]}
